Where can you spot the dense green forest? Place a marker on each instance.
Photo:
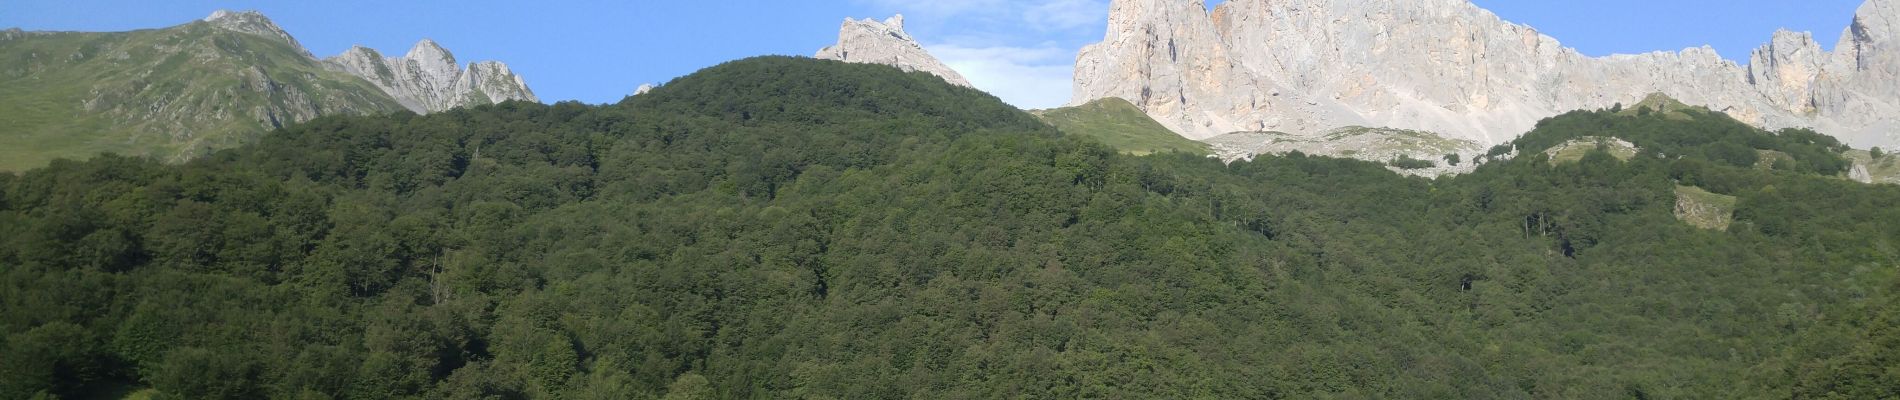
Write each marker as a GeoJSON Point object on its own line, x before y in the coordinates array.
{"type": "Point", "coordinates": [791, 228]}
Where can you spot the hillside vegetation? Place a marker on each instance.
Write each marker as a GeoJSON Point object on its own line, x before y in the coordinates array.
{"type": "Point", "coordinates": [1120, 125]}
{"type": "Point", "coordinates": [171, 94]}
{"type": "Point", "coordinates": [791, 228]}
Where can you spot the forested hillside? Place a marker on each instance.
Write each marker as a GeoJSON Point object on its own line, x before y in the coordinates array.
{"type": "Point", "coordinates": [791, 228]}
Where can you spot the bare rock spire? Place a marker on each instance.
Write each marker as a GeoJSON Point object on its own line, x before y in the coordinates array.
{"type": "Point", "coordinates": [872, 42]}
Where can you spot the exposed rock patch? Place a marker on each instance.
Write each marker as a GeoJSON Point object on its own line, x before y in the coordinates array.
{"type": "Point", "coordinates": [1575, 149]}
{"type": "Point", "coordinates": [1383, 145]}
{"type": "Point", "coordinates": [871, 42]}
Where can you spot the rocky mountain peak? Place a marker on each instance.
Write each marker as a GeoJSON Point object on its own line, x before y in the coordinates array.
{"type": "Point", "coordinates": [252, 22]}
{"type": "Point", "coordinates": [1786, 69]}
{"type": "Point", "coordinates": [428, 50]}
{"type": "Point", "coordinates": [363, 50]}
{"type": "Point", "coordinates": [1453, 68]}
{"type": "Point", "coordinates": [491, 82]}
{"type": "Point", "coordinates": [895, 22]}
{"type": "Point", "coordinates": [428, 78]}
{"type": "Point", "coordinates": [434, 64]}
{"type": "Point", "coordinates": [869, 41]}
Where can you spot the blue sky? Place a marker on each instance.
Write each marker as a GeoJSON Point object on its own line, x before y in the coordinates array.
{"type": "Point", "coordinates": [1021, 50]}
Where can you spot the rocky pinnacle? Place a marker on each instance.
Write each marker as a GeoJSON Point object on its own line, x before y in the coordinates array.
{"type": "Point", "coordinates": [872, 42]}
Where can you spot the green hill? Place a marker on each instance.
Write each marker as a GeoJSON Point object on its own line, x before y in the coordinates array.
{"type": "Point", "coordinates": [793, 228]}
{"type": "Point", "coordinates": [1120, 125]}
{"type": "Point", "coordinates": [169, 93]}
{"type": "Point", "coordinates": [1664, 106]}
{"type": "Point", "coordinates": [1675, 130]}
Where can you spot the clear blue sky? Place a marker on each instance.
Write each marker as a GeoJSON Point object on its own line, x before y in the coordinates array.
{"type": "Point", "coordinates": [1021, 50]}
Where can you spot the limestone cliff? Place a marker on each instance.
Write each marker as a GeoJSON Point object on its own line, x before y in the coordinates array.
{"type": "Point", "coordinates": [428, 79]}
{"type": "Point", "coordinates": [872, 42]}
{"type": "Point", "coordinates": [1450, 67]}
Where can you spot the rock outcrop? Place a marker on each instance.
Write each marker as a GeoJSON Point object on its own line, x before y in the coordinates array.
{"type": "Point", "coordinates": [255, 23]}
{"type": "Point", "coordinates": [872, 42]}
{"type": "Point", "coordinates": [1382, 145]}
{"type": "Point", "coordinates": [428, 79]}
{"type": "Point", "coordinates": [1450, 67]}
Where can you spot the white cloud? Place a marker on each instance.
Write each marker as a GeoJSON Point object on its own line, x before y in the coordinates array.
{"type": "Point", "coordinates": [1026, 77]}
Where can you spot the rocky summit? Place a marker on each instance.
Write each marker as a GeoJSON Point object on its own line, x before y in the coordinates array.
{"type": "Point", "coordinates": [181, 92]}
{"type": "Point", "coordinates": [252, 22]}
{"type": "Point", "coordinates": [428, 79]}
{"type": "Point", "coordinates": [1450, 67]}
{"type": "Point", "coordinates": [872, 42]}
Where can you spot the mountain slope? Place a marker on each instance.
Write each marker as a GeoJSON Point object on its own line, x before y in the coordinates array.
{"type": "Point", "coordinates": [171, 93]}
{"type": "Point", "coordinates": [177, 93]}
{"type": "Point", "coordinates": [797, 228]}
{"type": "Point", "coordinates": [1118, 124]}
{"type": "Point", "coordinates": [1450, 67]}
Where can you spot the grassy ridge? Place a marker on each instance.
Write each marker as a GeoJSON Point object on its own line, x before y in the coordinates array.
{"type": "Point", "coordinates": [169, 93]}
{"type": "Point", "coordinates": [1119, 124]}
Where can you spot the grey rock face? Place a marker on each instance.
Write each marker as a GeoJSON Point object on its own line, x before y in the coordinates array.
{"type": "Point", "coordinates": [428, 79]}
{"type": "Point", "coordinates": [872, 42]}
{"type": "Point", "coordinates": [1450, 67]}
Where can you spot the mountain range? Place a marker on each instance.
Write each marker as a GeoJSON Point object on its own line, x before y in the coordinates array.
{"type": "Point", "coordinates": [1388, 80]}
{"type": "Point", "coordinates": [1248, 77]}
{"type": "Point", "coordinates": [790, 227]}
{"type": "Point", "coordinates": [180, 92]}
{"type": "Point", "coordinates": [1453, 68]}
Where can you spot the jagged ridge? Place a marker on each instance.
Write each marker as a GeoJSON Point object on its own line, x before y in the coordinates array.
{"type": "Point", "coordinates": [1449, 66]}
{"type": "Point", "coordinates": [428, 79]}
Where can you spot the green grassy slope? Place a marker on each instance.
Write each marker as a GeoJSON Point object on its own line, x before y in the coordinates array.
{"type": "Point", "coordinates": [1662, 105]}
{"type": "Point", "coordinates": [1120, 125]}
{"type": "Point", "coordinates": [169, 93]}
{"type": "Point", "coordinates": [1885, 170]}
{"type": "Point", "coordinates": [1674, 130]}
{"type": "Point", "coordinates": [1702, 209]}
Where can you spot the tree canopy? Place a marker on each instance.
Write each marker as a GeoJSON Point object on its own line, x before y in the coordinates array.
{"type": "Point", "coordinates": [792, 228]}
